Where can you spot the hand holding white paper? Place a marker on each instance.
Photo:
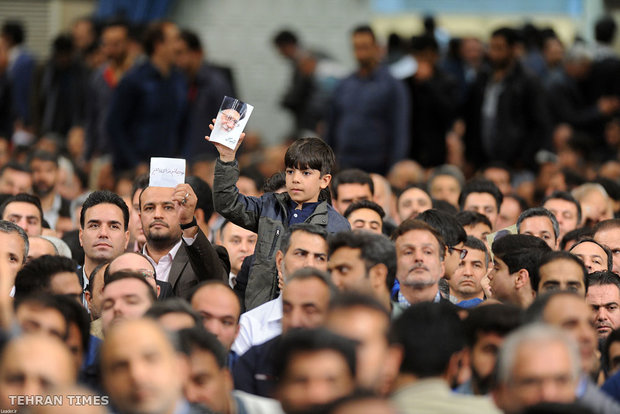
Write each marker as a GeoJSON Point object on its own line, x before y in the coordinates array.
{"type": "Point", "coordinates": [230, 122]}
{"type": "Point", "coordinates": [167, 172]}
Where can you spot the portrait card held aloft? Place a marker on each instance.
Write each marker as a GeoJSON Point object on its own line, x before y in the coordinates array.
{"type": "Point", "coordinates": [230, 122]}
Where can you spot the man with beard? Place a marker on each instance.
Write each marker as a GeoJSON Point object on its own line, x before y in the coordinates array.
{"type": "Point", "coordinates": [176, 246]}
{"type": "Point", "coordinates": [44, 166]}
{"type": "Point", "coordinates": [603, 296]}
{"type": "Point", "coordinates": [485, 330]}
{"type": "Point", "coordinates": [420, 254]}
{"type": "Point", "coordinates": [303, 245]}
{"type": "Point", "coordinates": [506, 116]}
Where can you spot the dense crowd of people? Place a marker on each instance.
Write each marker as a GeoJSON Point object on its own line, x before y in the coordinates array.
{"type": "Point", "coordinates": [437, 235]}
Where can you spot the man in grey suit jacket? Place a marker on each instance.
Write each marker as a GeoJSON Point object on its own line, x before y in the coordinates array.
{"type": "Point", "coordinates": [179, 250]}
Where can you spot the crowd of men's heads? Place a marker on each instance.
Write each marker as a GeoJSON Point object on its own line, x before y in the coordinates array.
{"type": "Point", "coordinates": [480, 283]}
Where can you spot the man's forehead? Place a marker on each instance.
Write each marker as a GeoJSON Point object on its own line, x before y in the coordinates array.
{"type": "Point", "coordinates": [103, 212]}
{"type": "Point", "coordinates": [308, 241]}
{"type": "Point", "coordinates": [128, 261]}
{"type": "Point", "coordinates": [417, 236]}
{"type": "Point", "coordinates": [480, 198]}
{"type": "Point", "coordinates": [346, 253]}
{"type": "Point", "coordinates": [144, 336]}
{"type": "Point", "coordinates": [124, 287]}
{"type": "Point", "coordinates": [21, 207]}
{"type": "Point", "coordinates": [559, 203]}
{"type": "Point", "coordinates": [538, 221]}
{"type": "Point", "coordinates": [589, 248]}
{"type": "Point", "coordinates": [566, 305]}
{"type": "Point", "coordinates": [156, 194]}
{"type": "Point", "coordinates": [204, 297]}
{"type": "Point", "coordinates": [311, 287]}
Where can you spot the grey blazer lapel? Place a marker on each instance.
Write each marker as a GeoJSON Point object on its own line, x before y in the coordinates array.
{"type": "Point", "coordinates": [178, 265]}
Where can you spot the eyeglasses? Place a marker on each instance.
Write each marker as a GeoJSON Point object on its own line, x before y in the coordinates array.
{"type": "Point", "coordinates": [462, 252]}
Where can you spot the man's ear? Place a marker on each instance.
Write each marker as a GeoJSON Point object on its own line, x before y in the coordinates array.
{"type": "Point", "coordinates": [279, 259]}
{"type": "Point", "coordinates": [88, 298]}
{"type": "Point", "coordinates": [325, 180]}
{"type": "Point", "coordinates": [522, 279]}
{"type": "Point", "coordinates": [378, 275]}
{"type": "Point", "coordinates": [80, 237]}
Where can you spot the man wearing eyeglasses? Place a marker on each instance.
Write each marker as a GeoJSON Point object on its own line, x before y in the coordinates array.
{"type": "Point", "coordinates": [465, 283]}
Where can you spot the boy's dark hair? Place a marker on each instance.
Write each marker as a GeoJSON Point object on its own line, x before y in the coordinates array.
{"type": "Point", "coordinates": [552, 256]}
{"type": "Point", "coordinates": [191, 40]}
{"type": "Point", "coordinates": [43, 155]}
{"type": "Point", "coordinates": [36, 275]}
{"type": "Point", "coordinates": [496, 318]}
{"type": "Point", "coordinates": [75, 313]}
{"type": "Point", "coordinates": [127, 274]}
{"type": "Point", "coordinates": [285, 37]}
{"type": "Point", "coordinates": [274, 183]}
{"type": "Point", "coordinates": [173, 305]}
{"type": "Point", "coordinates": [310, 153]}
{"type": "Point", "coordinates": [509, 34]}
{"type": "Point", "coordinates": [204, 195]}
{"type": "Point", "coordinates": [428, 354]}
{"type": "Point", "coordinates": [471, 218]}
{"type": "Point", "coordinates": [351, 176]}
{"type": "Point", "coordinates": [22, 198]}
{"type": "Point", "coordinates": [566, 196]}
{"type": "Point", "coordinates": [374, 249]}
{"type": "Point", "coordinates": [302, 341]}
{"type": "Point", "coordinates": [415, 224]}
{"type": "Point", "coordinates": [580, 233]}
{"type": "Point", "coordinates": [540, 212]}
{"type": "Point", "coordinates": [447, 225]}
{"type": "Point", "coordinates": [521, 251]}
{"type": "Point", "coordinates": [476, 244]}
{"type": "Point", "coordinates": [481, 186]}
{"type": "Point", "coordinates": [199, 338]}
{"type": "Point", "coordinates": [605, 30]}
{"type": "Point", "coordinates": [610, 257]}
{"type": "Point", "coordinates": [604, 278]}
{"type": "Point", "coordinates": [13, 31]}
{"type": "Point", "coordinates": [364, 29]}
{"type": "Point", "coordinates": [307, 227]}
{"type": "Point", "coordinates": [105, 197]}
{"type": "Point", "coordinates": [371, 205]}
{"type": "Point", "coordinates": [614, 336]}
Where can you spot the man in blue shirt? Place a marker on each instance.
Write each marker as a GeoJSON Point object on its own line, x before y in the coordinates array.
{"type": "Point", "coordinates": [368, 122]}
{"type": "Point", "coordinates": [147, 107]}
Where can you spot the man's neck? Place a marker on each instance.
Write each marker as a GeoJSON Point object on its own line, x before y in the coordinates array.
{"type": "Point", "coordinates": [464, 296]}
{"type": "Point", "coordinates": [89, 266]}
{"type": "Point", "coordinates": [367, 70]}
{"type": "Point", "coordinates": [523, 298]}
{"type": "Point", "coordinates": [385, 299]}
{"type": "Point", "coordinates": [161, 64]}
{"type": "Point", "coordinates": [417, 295]}
{"type": "Point", "coordinates": [156, 252]}
{"type": "Point", "coordinates": [47, 200]}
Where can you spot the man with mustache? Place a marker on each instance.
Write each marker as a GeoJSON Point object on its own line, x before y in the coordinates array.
{"type": "Point", "coordinates": [420, 253]}
{"type": "Point", "coordinates": [179, 250]}
{"type": "Point", "coordinates": [603, 296]}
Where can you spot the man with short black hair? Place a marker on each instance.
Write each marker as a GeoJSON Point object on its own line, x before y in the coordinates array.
{"type": "Point", "coordinates": [560, 270]}
{"type": "Point", "coordinates": [174, 314]}
{"type": "Point", "coordinates": [365, 263]}
{"type": "Point", "coordinates": [365, 215]}
{"type": "Point", "coordinates": [15, 178]}
{"type": "Point", "coordinates": [604, 297]}
{"type": "Point", "coordinates": [465, 283]}
{"type": "Point", "coordinates": [483, 197]}
{"type": "Point", "coordinates": [514, 277]}
{"type": "Point", "coordinates": [485, 330]}
{"type": "Point", "coordinates": [45, 171]}
{"type": "Point", "coordinates": [177, 247]}
{"type": "Point", "coordinates": [595, 256]}
{"type": "Point", "coordinates": [475, 224]}
{"type": "Point", "coordinates": [24, 210]}
{"type": "Point", "coordinates": [49, 274]}
{"type": "Point", "coordinates": [349, 186]}
{"type": "Point", "coordinates": [426, 362]}
{"type": "Point", "coordinates": [239, 244]}
{"type": "Point", "coordinates": [313, 367]}
{"type": "Point", "coordinates": [541, 223]}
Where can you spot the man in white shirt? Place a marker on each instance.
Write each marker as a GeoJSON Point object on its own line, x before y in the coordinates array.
{"type": "Point", "coordinates": [303, 245]}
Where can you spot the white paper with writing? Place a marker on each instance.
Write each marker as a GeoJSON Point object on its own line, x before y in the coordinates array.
{"type": "Point", "coordinates": [167, 172]}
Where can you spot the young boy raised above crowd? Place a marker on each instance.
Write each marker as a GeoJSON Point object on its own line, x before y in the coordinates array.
{"type": "Point", "coordinates": [309, 162]}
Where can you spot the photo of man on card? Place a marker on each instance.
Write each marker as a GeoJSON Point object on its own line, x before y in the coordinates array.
{"type": "Point", "coordinates": [230, 121]}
